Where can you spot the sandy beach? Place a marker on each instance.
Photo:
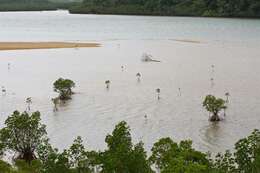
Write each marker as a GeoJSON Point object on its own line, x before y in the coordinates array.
{"type": "Point", "coordinates": [43, 45]}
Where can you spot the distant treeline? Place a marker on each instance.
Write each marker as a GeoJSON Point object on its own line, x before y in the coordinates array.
{"type": "Point", "coordinates": [32, 5]}
{"type": "Point", "coordinates": [216, 8]}
{"type": "Point", "coordinates": [209, 8]}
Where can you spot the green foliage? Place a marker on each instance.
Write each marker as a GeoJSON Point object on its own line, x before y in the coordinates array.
{"type": "Point", "coordinates": [73, 160]}
{"type": "Point", "coordinates": [22, 134]}
{"type": "Point", "coordinates": [224, 163]}
{"type": "Point", "coordinates": [245, 159]}
{"type": "Point", "coordinates": [248, 153]}
{"type": "Point", "coordinates": [47, 155]}
{"type": "Point", "coordinates": [35, 5]}
{"type": "Point", "coordinates": [23, 167]}
{"type": "Point", "coordinates": [79, 159]}
{"type": "Point", "coordinates": [121, 156]}
{"type": "Point", "coordinates": [214, 105]}
{"type": "Point", "coordinates": [256, 162]}
{"type": "Point", "coordinates": [139, 162]}
{"type": "Point", "coordinates": [64, 88]}
{"type": "Point", "coordinates": [170, 157]}
{"type": "Point", "coordinates": [57, 163]}
{"type": "Point", "coordinates": [219, 8]}
{"type": "Point", "coordinates": [225, 8]}
{"type": "Point", "coordinates": [5, 167]}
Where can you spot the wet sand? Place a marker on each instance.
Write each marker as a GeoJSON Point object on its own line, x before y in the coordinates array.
{"type": "Point", "coordinates": [43, 45]}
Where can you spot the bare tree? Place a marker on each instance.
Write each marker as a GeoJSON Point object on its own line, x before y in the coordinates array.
{"type": "Point", "coordinates": [55, 101]}
{"type": "Point", "coordinates": [3, 90]}
{"type": "Point", "coordinates": [227, 97]}
{"type": "Point", "coordinates": [29, 102]}
{"type": "Point", "coordinates": [138, 75]}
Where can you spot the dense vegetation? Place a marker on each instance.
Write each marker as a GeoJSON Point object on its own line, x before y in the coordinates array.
{"type": "Point", "coordinates": [33, 5]}
{"type": "Point", "coordinates": [220, 8]}
{"type": "Point", "coordinates": [217, 8]}
{"type": "Point", "coordinates": [25, 136]}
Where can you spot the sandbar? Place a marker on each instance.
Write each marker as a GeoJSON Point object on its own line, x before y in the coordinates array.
{"type": "Point", "coordinates": [44, 45]}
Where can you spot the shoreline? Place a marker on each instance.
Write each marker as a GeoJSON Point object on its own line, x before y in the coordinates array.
{"type": "Point", "coordinates": [44, 45]}
{"type": "Point", "coordinates": [166, 15]}
{"type": "Point", "coordinates": [135, 14]}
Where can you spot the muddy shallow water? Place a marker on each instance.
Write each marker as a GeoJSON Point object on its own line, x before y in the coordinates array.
{"type": "Point", "coordinates": [94, 111]}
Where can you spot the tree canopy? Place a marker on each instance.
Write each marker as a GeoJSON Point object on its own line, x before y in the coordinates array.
{"type": "Point", "coordinates": [121, 155]}
{"type": "Point", "coordinates": [23, 133]}
{"type": "Point", "coordinates": [64, 88]}
{"type": "Point", "coordinates": [170, 157]}
{"type": "Point", "coordinates": [214, 105]}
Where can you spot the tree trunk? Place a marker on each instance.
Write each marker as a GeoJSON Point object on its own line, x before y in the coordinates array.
{"type": "Point", "coordinates": [27, 155]}
{"type": "Point", "coordinates": [214, 117]}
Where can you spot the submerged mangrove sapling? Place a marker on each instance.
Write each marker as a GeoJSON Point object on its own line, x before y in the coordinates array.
{"type": "Point", "coordinates": [214, 106]}
{"type": "Point", "coordinates": [158, 91]}
{"type": "Point", "coordinates": [29, 102]}
{"type": "Point", "coordinates": [138, 75]}
{"type": "Point", "coordinates": [180, 91]}
{"type": "Point", "coordinates": [107, 82]}
{"type": "Point", "coordinates": [3, 90]}
{"type": "Point", "coordinates": [212, 67]}
{"type": "Point", "coordinates": [64, 88]}
{"type": "Point", "coordinates": [227, 96]}
{"type": "Point", "coordinates": [55, 101]}
{"type": "Point", "coordinates": [212, 82]}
